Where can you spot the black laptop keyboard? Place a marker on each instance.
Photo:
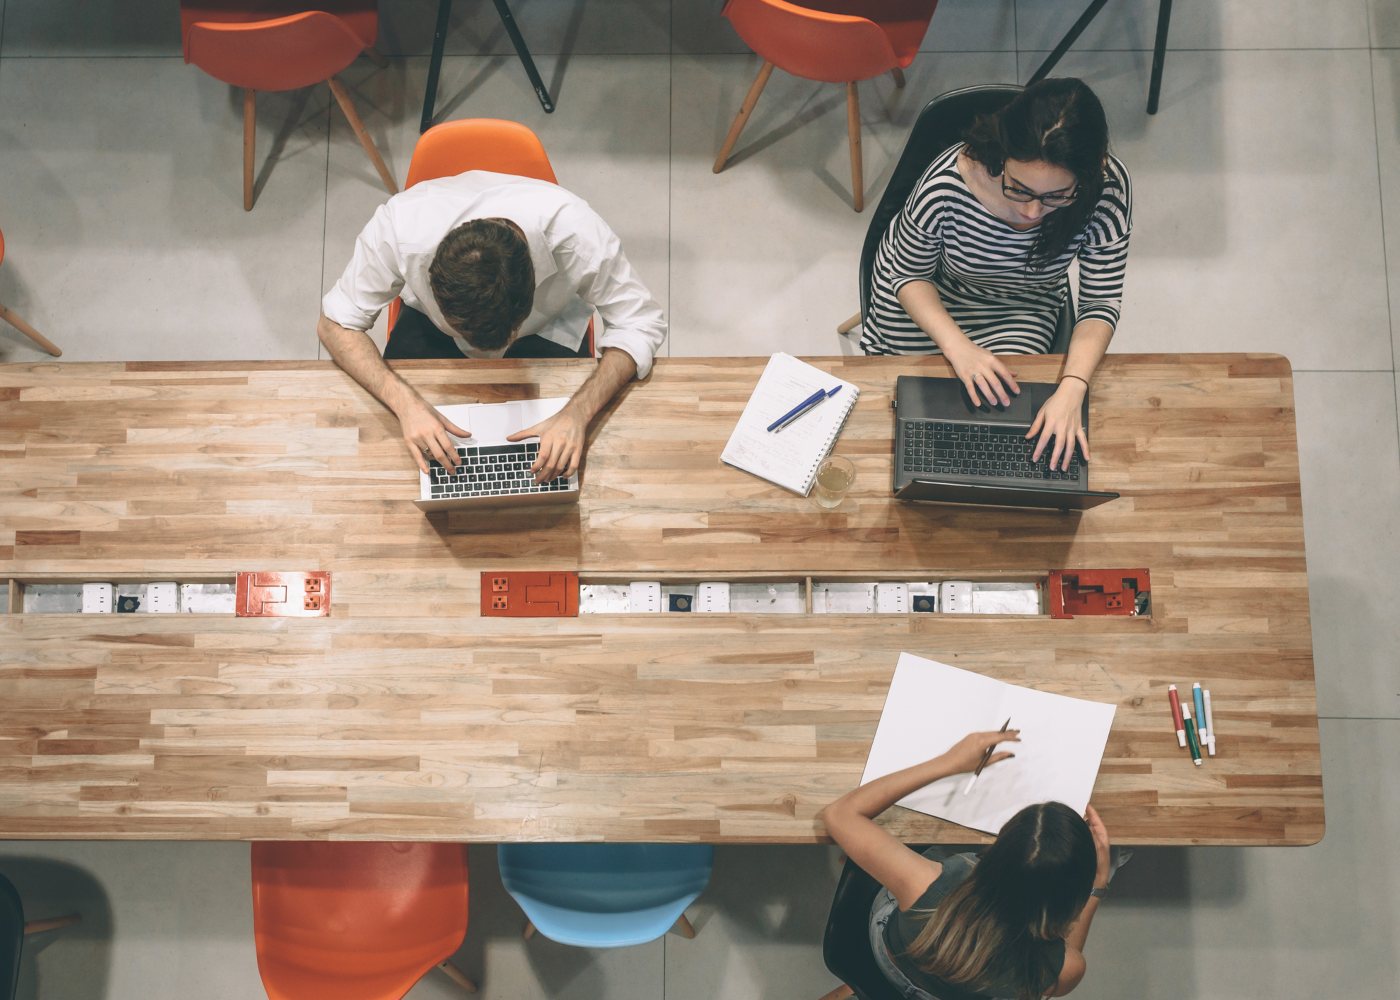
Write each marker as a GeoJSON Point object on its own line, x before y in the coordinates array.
{"type": "Point", "coordinates": [492, 470]}
{"type": "Point", "coordinates": [940, 448]}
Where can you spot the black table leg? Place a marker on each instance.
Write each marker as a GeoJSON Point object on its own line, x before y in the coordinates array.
{"type": "Point", "coordinates": [1070, 38]}
{"type": "Point", "coordinates": [508, 19]}
{"type": "Point", "coordinates": [435, 64]}
{"type": "Point", "coordinates": [1159, 51]}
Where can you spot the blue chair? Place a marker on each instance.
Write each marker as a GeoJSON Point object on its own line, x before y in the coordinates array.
{"type": "Point", "coordinates": [605, 895]}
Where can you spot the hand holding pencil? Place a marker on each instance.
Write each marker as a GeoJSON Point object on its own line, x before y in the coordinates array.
{"type": "Point", "coordinates": [978, 750]}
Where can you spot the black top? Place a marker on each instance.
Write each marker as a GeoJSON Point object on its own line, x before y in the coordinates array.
{"type": "Point", "coordinates": [904, 926]}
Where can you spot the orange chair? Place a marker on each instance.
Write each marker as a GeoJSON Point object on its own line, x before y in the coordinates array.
{"type": "Point", "coordinates": [13, 318]}
{"type": "Point", "coordinates": [279, 45]}
{"type": "Point", "coordinates": [357, 921]}
{"type": "Point", "coordinates": [493, 144]}
{"type": "Point", "coordinates": [834, 41]}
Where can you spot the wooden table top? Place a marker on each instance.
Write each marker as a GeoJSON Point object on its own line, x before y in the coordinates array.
{"type": "Point", "coordinates": [406, 715]}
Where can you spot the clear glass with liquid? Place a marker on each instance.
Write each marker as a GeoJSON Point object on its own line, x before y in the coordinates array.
{"type": "Point", "coordinates": [834, 479]}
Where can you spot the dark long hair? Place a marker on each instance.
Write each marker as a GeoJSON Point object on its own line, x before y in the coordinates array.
{"type": "Point", "coordinates": [1000, 926]}
{"type": "Point", "coordinates": [1060, 122]}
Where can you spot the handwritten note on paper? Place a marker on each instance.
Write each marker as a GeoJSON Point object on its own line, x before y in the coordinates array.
{"type": "Point", "coordinates": [930, 706]}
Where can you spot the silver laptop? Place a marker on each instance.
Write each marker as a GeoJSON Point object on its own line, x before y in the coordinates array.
{"type": "Point", "coordinates": [494, 471]}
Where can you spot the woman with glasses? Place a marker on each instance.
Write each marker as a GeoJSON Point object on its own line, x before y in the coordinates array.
{"type": "Point", "coordinates": [976, 264]}
{"type": "Point", "coordinates": [1010, 923]}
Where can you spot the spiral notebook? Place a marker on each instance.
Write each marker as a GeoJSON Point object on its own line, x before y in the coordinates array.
{"type": "Point", "coordinates": [789, 457]}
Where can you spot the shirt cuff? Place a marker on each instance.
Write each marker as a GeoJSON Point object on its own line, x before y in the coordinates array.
{"type": "Point", "coordinates": [1099, 310]}
{"type": "Point", "coordinates": [338, 308]}
{"type": "Point", "coordinates": [641, 347]}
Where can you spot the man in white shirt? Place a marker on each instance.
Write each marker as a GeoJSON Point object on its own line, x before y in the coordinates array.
{"type": "Point", "coordinates": [491, 265]}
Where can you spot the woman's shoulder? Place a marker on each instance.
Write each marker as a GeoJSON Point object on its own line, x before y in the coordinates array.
{"type": "Point", "coordinates": [1117, 188]}
{"type": "Point", "coordinates": [942, 176]}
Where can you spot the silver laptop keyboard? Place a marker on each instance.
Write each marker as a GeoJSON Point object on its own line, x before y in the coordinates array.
{"type": "Point", "coordinates": [490, 471]}
{"type": "Point", "coordinates": [998, 451]}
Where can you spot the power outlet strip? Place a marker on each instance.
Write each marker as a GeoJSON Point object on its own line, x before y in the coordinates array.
{"type": "Point", "coordinates": [955, 597]}
{"type": "Point", "coordinates": [163, 598]}
{"type": "Point", "coordinates": [645, 597]}
{"type": "Point", "coordinates": [712, 597]}
{"type": "Point", "coordinates": [98, 598]}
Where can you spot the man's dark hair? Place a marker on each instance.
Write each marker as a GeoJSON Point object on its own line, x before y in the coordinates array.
{"type": "Point", "coordinates": [484, 281]}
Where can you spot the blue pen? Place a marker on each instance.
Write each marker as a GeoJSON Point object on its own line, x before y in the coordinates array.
{"type": "Point", "coordinates": [807, 404]}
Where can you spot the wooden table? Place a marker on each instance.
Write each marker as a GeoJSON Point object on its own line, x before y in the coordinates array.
{"type": "Point", "coordinates": [406, 715]}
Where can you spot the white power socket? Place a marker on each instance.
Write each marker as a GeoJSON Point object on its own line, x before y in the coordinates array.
{"type": "Point", "coordinates": [162, 598]}
{"type": "Point", "coordinates": [891, 598]}
{"type": "Point", "coordinates": [712, 597]}
{"type": "Point", "coordinates": [644, 597]}
{"type": "Point", "coordinates": [955, 597]}
{"type": "Point", "coordinates": [97, 598]}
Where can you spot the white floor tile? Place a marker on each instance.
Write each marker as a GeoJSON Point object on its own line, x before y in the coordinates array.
{"type": "Point", "coordinates": [1245, 239]}
{"type": "Point", "coordinates": [160, 921]}
{"type": "Point", "coordinates": [765, 255]}
{"type": "Point", "coordinates": [611, 149]}
{"type": "Point", "coordinates": [549, 27]}
{"type": "Point", "coordinates": [1385, 22]}
{"type": "Point", "coordinates": [1243, 923]}
{"type": "Point", "coordinates": [759, 926]}
{"type": "Point", "coordinates": [1221, 24]}
{"type": "Point", "coordinates": [90, 28]}
{"type": "Point", "coordinates": [1385, 68]}
{"type": "Point", "coordinates": [1350, 462]}
{"type": "Point", "coordinates": [123, 216]}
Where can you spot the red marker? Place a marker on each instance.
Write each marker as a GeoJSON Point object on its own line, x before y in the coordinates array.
{"type": "Point", "coordinates": [1176, 715]}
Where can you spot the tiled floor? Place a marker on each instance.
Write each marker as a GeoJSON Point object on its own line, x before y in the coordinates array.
{"type": "Point", "coordinates": [1268, 218]}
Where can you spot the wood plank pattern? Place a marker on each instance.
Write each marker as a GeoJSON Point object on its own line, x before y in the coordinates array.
{"type": "Point", "coordinates": [406, 715]}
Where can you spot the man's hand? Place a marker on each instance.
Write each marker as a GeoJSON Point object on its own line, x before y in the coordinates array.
{"type": "Point", "coordinates": [562, 440]}
{"type": "Point", "coordinates": [425, 432]}
{"type": "Point", "coordinates": [1060, 419]}
{"type": "Point", "coordinates": [982, 373]}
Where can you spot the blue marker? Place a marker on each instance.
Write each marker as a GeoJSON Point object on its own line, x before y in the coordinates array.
{"type": "Point", "coordinates": [1198, 698]}
{"type": "Point", "coordinates": [811, 402]}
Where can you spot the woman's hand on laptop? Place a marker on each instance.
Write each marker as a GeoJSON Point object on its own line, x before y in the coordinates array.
{"type": "Point", "coordinates": [425, 432]}
{"type": "Point", "coordinates": [562, 439]}
{"type": "Point", "coordinates": [1060, 419]}
{"type": "Point", "coordinates": [982, 373]}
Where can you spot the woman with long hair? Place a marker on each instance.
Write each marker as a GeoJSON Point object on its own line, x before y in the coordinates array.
{"type": "Point", "coordinates": [976, 264]}
{"type": "Point", "coordinates": [1010, 924]}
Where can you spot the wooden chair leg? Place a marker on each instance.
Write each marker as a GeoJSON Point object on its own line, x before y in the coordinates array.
{"type": "Point", "coordinates": [457, 976]}
{"type": "Point", "coordinates": [382, 61]}
{"type": "Point", "coordinates": [853, 130]}
{"type": "Point", "coordinates": [250, 132]}
{"type": "Point", "coordinates": [52, 924]}
{"type": "Point", "coordinates": [19, 324]}
{"type": "Point", "coordinates": [849, 325]}
{"type": "Point", "coordinates": [683, 927]}
{"type": "Point", "coordinates": [742, 118]}
{"type": "Point", "coordinates": [529, 930]}
{"type": "Point", "coordinates": [898, 75]}
{"type": "Point", "coordinates": [840, 993]}
{"type": "Point", "coordinates": [343, 98]}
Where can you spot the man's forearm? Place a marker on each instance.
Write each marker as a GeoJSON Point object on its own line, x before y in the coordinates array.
{"type": "Point", "coordinates": [615, 369]}
{"type": "Point", "coordinates": [357, 356]}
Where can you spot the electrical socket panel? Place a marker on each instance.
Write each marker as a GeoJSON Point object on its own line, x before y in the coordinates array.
{"type": "Point", "coordinates": [955, 597]}
{"type": "Point", "coordinates": [644, 597]}
{"type": "Point", "coordinates": [162, 598]}
{"type": "Point", "coordinates": [98, 598]}
{"type": "Point", "coordinates": [530, 595]}
{"type": "Point", "coordinates": [603, 599]}
{"type": "Point", "coordinates": [891, 598]}
{"type": "Point", "coordinates": [843, 598]}
{"type": "Point", "coordinates": [283, 595]}
{"type": "Point", "coordinates": [712, 597]}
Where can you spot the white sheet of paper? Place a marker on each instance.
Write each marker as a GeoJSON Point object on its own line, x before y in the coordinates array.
{"type": "Point", "coordinates": [931, 706]}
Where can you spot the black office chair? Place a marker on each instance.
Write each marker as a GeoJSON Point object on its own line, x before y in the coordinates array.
{"type": "Point", "coordinates": [846, 943]}
{"type": "Point", "coordinates": [12, 933]}
{"type": "Point", "coordinates": [941, 124]}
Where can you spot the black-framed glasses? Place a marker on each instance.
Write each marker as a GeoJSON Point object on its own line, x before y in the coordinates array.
{"type": "Point", "coordinates": [1053, 199]}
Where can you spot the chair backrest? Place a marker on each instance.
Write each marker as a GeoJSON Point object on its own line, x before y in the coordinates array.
{"type": "Point", "coordinates": [605, 895]}
{"type": "Point", "coordinates": [816, 45]}
{"type": "Point", "coordinates": [846, 943]}
{"type": "Point", "coordinates": [355, 921]}
{"type": "Point", "coordinates": [503, 147]}
{"type": "Point", "coordinates": [282, 53]}
{"type": "Point", "coordinates": [11, 935]}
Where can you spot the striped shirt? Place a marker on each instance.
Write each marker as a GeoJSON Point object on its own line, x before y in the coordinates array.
{"type": "Point", "coordinates": [979, 265]}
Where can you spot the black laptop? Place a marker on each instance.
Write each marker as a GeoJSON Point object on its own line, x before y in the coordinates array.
{"type": "Point", "coordinates": [946, 450]}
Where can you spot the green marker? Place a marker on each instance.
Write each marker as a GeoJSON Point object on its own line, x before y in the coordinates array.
{"type": "Point", "coordinates": [1191, 740]}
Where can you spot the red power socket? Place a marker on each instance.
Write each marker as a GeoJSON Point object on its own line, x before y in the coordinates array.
{"type": "Point", "coordinates": [283, 595]}
{"type": "Point", "coordinates": [529, 595]}
{"type": "Point", "coordinates": [1098, 592]}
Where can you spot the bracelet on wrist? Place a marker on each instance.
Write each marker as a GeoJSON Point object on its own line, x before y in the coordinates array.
{"type": "Point", "coordinates": [1084, 380]}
